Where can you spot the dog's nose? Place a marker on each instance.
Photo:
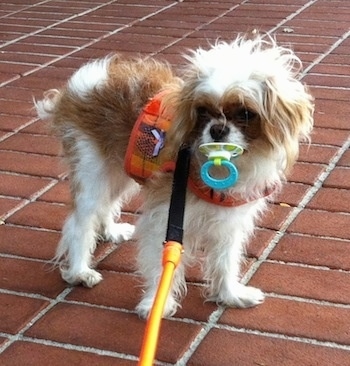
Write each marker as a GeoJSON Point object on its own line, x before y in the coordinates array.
{"type": "Point", "coordinates": [218, 132]}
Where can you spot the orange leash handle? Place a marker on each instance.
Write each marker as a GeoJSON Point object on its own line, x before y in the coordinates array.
{"type": "Point", "coordinates": [171, 258]}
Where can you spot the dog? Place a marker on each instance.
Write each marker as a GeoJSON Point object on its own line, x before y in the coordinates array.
{"type": "Point", "coordinates": [244, 92]}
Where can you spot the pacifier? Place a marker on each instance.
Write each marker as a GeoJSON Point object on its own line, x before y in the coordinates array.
{"type": "Point", "coordinates": [220, 154]}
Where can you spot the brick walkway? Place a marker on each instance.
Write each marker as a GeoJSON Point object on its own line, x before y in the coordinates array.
{"type": "Point", "coordinates": [300, 256]}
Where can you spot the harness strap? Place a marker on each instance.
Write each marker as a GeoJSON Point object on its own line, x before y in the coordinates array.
{"type": "Point", "coordinates": [178, 196]}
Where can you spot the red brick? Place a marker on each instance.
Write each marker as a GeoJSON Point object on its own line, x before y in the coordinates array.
{"type": "Point", "coordinates": [57, 73]}
{"type": "Point", "coordinates": [59, 193]}
{"type": "Point", "coordinates": [306, 173]}
{"type": "Point", "coordinates": [293, 318]}
{"type": "Point", "coordinates": [331, 70]}
{"type": "Point", "coordinates": [345, 159]}
{"type": "Point", "coordinates": [311, 283]}
{"type": "Point", "coordinates": [317, 154]}
{"type": "Point", "coordinates": [41, 215]}
{"type": "Point", "coordinates": [12, 123]}
{"type": "Point", "coordinates": [42, 355]}
{"type": "Point", "coordinates": [260, 240]}
{"type": "Point", "coordinates": [42, 40]}
{"type": "Point", "coordinates": [339, 178]}
{"type": "Point", "coordinates": [35, 82]}
{"type": "Point", "coordinates": [28, 242]}
{"type": "Point", "coordinates": [28, 58]}
{"type": "Point", "coordinates": [59, 31]}
{"type": "Point", "coordinates": [123, 259]}
{"type": "Point", "coordinates": [23, 142]}
{"type": "Point", "coordinates": [9, 204]}
{"type": "Point", "coordinates": [7, 78]}
{"type": "Point", "coordinates": [21, 47]}
{"type": "Point", "coordinates": [30, 277]}
{"type": "Point", "coordinates": [17, 311]}
{"type": "Point", "coordinates": [333, 94]}
{"type": "Point", "coordinates": [14, 68]}
{"type": "Point", "coordinates": [23, 108]}
{"type": "Point", "coordinates": [118, 290]}
{"type": "Point", "coordinates": [324, 106]}
{"type": "Point", "coordinates": [338, 81]}
{"type": "Point", "coordinates": [77, 325]}
{"type": "Point", "coordinates": [328, 136]}
{"type": "Point", "coordinates": [21, 186]}
{"type": "Point", "coordinates": [32, 164]}
{"type": "Point", "coordinates": [292, 194]}
{"type": "Point", "coordinates": [38, 127]}
{"type": "Point", "coordinates": [313, 250]}
{"type": "Point", "coordinates": [194, 305]}
{"type": "Point", "coordinates": [331, 199]}
{"type": "Point", "coordinates": [340, 121]}
{"type": "Point", "coordinates": [322, 223]}
{"type": "Point", "coordinates": [275, 217]}
{"type": "Point", "coordinates": [227, 348]}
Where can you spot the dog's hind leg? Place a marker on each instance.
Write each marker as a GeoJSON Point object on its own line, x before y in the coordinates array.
{"type": "Point", "coordinates": [91, 194]}
{"type": "Point", "coordinates": [124, 189]}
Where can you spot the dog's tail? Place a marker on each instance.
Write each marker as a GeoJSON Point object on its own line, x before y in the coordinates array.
{"type": "Point", "coordinates": [46, 107]}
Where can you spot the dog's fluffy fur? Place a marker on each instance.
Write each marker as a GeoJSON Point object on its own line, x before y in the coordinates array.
{"type": "Point", "coordinates": [246, 92]}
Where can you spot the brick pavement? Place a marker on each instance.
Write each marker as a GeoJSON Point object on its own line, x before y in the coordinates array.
{"type": "Point", "coordinates": [301, 253]}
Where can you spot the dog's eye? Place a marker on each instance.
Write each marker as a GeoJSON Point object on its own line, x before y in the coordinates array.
{"type": "Point", "coordinates": [245, 115]}
{"type": "Point", "coordinates": [203, 114]}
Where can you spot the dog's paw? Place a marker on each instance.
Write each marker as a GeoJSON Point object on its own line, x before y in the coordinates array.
{"type": "Point", "coordinates": [144, 308]}
{"type": "Point", "coordinates": [88, 278]}
{"type": "Point", "coordinates": [241, 296]}
{"type": "Point", "coordinates": [118, 233]}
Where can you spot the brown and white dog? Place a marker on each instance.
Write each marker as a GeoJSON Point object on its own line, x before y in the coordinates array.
{"type": "Point", "coordinates": [245, 92]}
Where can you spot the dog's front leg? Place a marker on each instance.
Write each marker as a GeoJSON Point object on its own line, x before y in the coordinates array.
{"type": "Point", "coordinates": [222, 272]}
{"type": "Point", "coordinates": [150, 267]}
{"type": "Point", "coordinates": [150, 231]}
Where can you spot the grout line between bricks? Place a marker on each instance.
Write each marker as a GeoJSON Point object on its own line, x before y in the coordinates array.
{"type": "Point", "coordinates": [308, 301]}
{"type": "Point", "coordinates": [311, 266]}
{"type": "Point", "coordinates": [70, 346]}
{"type": "Point", "coordinates": [307, 340]}
{"type": "Point", "coordinates": [28, 259]}
{"type": "Point", "coordinates": [24, 294]}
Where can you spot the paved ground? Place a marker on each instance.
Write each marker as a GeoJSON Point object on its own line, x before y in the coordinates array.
{"type": "Point", "coordinates": [300, 256]}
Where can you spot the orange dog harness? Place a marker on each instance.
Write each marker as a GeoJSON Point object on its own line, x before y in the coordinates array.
{"type": "Point", "coordinates": [147, 139]}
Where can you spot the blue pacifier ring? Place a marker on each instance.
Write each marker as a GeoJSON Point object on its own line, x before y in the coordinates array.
{"type": "Point", "coordinates": [224, 183]}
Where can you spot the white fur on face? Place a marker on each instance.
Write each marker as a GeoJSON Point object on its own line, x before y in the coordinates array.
{"type": "Point", "coordinates": [242, 65]}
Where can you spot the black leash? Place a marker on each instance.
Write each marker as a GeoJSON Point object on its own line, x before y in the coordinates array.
{"type": "Point", "coordinates": [178, 196]}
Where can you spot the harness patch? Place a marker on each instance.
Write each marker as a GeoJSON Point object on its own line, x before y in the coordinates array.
{"type": "Point", "coordinates": [147, 140]}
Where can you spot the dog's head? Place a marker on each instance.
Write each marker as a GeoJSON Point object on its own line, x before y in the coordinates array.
{"type": "Point", "coordinates": [246, 92]}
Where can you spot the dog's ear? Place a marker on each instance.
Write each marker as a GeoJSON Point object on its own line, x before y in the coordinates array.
{"type": "Point", "coordinates": [178, 103]}
{"type": "Point", "coordinates": [288, 113]}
